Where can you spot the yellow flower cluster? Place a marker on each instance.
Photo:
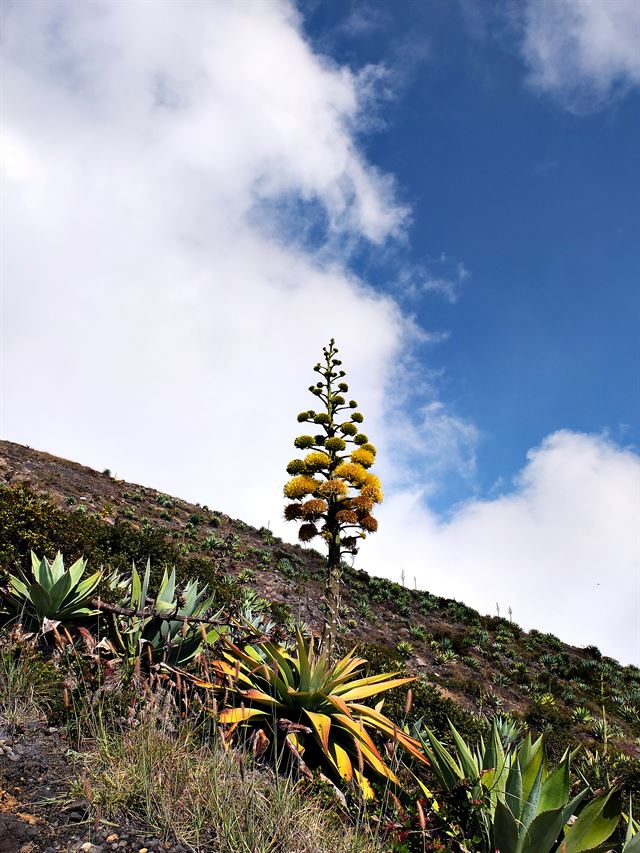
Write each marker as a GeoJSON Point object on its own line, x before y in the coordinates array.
{"type": "Point", "coordinates": [300, 486]}
{"type": "Point", "coordinates": [363, 457]}
{"type": "Point", "coordinates": [303, 441]}
{"type": "Point", "coordinates": [372, 489]}
{"type": "Point", "coordinates": [333, 489]}
{"type": "Point", "coordinates": [296, 466]}
{"type": "Point", "coordinates": [352, 472]}
{"type": "Point", "coordinates": [349, 429]}
{"type": "Point", "coordinates": [317, 460]}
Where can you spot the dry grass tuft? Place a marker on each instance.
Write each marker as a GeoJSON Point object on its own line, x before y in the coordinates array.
{"type": "Point", "coordinates": [29, 687]}
{"type": "Point", "coordinates": [209, 798]}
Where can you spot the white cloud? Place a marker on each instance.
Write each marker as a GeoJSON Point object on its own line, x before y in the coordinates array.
{"type": "Point", "coordinates": [441, 275]}
{"type": "Point", "coordinates": [156, 320]}
{"type": "Point", "coordinates": [581, 52]}
{"type": "Point", "coordinates": [562, 549]}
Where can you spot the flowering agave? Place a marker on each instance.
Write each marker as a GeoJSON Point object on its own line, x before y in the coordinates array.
{"type": "Point", "coordinates": [51, 592]}
{"type": "Point", "coordinates": [332, 491]}
{"type": "Point", "coordinates": [317, 704]}
{"type": "Point", "coordinates": [174, 641]}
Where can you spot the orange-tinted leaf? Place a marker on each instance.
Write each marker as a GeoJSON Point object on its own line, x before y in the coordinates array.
{"type": "Point", "coordinates": [367, 690]}
{"type": "Point", "coordinates": [259, 696]}
{"type": "Point", "coordinates": [363, 784]}
{"type": "Point", "coordinates": [341, 761]}
{"type": "Point", "coordinates": [321, 725]}
{"type": "Point", "coordinates": [239, 715]}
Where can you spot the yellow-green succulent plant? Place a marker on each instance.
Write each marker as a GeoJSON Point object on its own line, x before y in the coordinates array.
{"type": "Point", "coordinates": [319, 706]}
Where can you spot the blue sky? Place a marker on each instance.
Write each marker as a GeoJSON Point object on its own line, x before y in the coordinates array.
{"type": "Point", "coordinates": [537, 201]}
{"type": "Point", "coordinates": [197, 196]}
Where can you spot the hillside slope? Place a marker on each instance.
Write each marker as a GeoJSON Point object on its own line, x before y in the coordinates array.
{"type": "Point", "coordinates": [480, 663]}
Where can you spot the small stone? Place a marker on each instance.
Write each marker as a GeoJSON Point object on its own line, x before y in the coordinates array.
{"type": "Point", "coordinates": [143, 850]}
{"type": "Point", "coordinates": [113, 837]}
{"type": "Point", "coordinates": [87, 846]}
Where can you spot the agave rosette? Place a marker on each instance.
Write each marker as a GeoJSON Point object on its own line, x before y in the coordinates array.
{"type": "Point", "coordinates": [524, 806]}
{"type": "Point", "coordinates": [174, 641]}
{"type": "Point", "coordinates": [318, 704]}
{"type": "Point", "coordinates": [51, 592]}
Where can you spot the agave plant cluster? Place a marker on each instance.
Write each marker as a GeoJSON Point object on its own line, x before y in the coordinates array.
{"type": "Point", "coordinates": [520, 804]}
{"type": "Point", "coordinates": [148, 632]}
{"type": "Point", "coordinates": [295, 701]}
{"type": "Point", "coordinates": [163, 628]}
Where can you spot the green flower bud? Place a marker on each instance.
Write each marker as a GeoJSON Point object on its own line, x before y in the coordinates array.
{"type": "Point", "coordinates": [303, 416]}
{"type": "Point", "coordinates": [348, 429]}
{"type": "Point", "coordinates": [361, 438]}
{"type": "Point", "coordinates": [319, 439]}
{"type": "Point", "coordinates": [343, 386]}
{"type": "Point", "coordinates": [338, 400]}
{"type": "Point", "coordinates": [304, 441]}
{"type": "Point", "coordinates": [353, 404]}
{"type": "Point", "coordinates": [335, 443]}
{"type": "Point", "coordinates": [321, 418]}
{"type": "Point", "coordinates": [357, 417]}
{"type": "Point", "coordinates": [296, 466]}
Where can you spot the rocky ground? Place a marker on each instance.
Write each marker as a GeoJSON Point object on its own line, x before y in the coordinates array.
{"type": "Point", "coordinates": [40, 811]}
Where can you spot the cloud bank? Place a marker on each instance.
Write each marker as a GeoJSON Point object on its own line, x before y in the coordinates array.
{"type": "Point", "coordinates": [161, 310]}
{"type": "Point", "coordinates": [181, 186]}
{"type": "Point", "coordinates": [562, 548]}
{"type": "Point", "coordinates": [581, 52]}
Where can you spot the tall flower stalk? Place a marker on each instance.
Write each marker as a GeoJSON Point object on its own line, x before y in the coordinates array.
{"type": "Point", "coordinates": [332, 490]}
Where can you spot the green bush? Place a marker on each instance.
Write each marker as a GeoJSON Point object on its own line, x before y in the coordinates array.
{"type": "Point", "coordinates": [32, 523]}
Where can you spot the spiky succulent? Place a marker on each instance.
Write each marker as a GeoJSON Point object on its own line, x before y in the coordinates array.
{"type": "Point", "coordinates": [521, 805]}
{"type": "Point", "coordinates": [174, 641]}
{"type": "Point", "coordinates": [319, 706]}
{"type": "Point", "coordinates": [51, 592]}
